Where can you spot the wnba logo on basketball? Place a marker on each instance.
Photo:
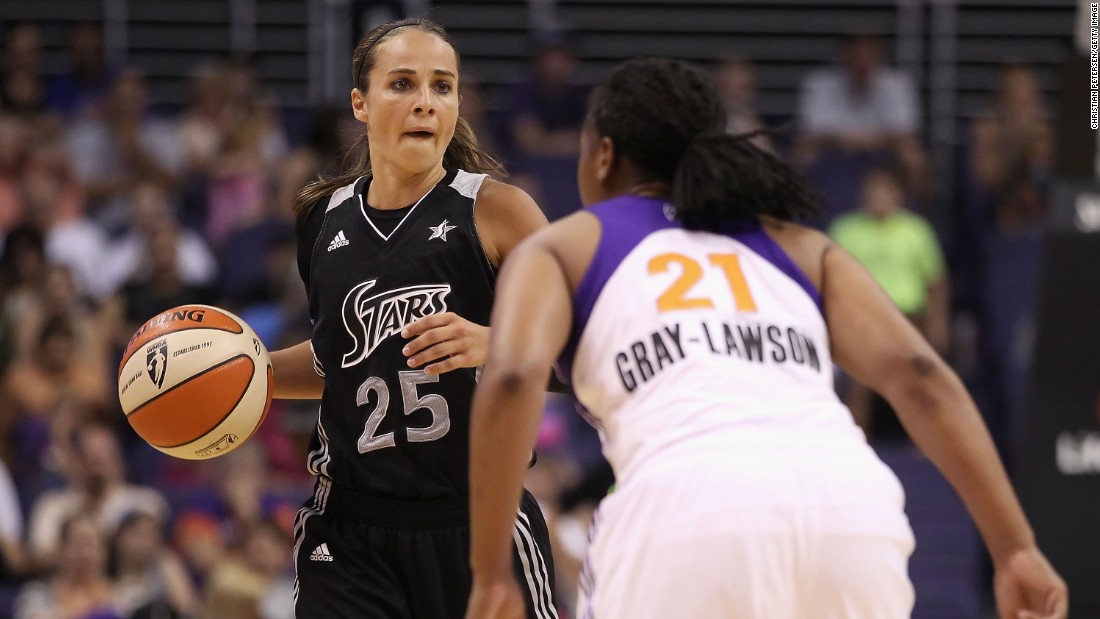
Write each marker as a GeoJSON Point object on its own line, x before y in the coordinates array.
{"type": "Point", "coordinates": [156, 362]}
{"type": "Point", "coordinates": [370, 320]}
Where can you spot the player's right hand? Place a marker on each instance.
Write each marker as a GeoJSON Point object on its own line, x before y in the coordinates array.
{"type": "Point", "coordinates": [495, 598]}
{"type": "Point", "coordinates": [1027, 587]}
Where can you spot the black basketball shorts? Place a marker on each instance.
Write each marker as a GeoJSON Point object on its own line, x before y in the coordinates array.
{"type": "Point", "coordinates": [364, 557]}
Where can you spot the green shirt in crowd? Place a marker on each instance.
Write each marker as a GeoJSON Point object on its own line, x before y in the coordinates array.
{"type": "Point", "coordinates": [901, 252]}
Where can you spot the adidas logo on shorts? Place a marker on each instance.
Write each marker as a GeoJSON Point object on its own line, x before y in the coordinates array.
{"type": "Point", "coordinates": [321, 552]}
{"type": "Point", "coordinates": [338, 241]}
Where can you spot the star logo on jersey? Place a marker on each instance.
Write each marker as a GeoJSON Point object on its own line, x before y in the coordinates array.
{"type": "Point", "coordinates": [440, 231]}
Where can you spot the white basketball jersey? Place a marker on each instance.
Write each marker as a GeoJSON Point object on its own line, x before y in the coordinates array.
{"type": "Point", "coordinates": [689, 343]}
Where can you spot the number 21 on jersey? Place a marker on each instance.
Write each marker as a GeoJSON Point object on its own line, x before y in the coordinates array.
{"type": "Point", "coordinates": [679, 296]}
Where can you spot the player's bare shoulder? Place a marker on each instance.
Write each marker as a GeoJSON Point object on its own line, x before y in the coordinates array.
{"type": "Point", "coordinates": [806, 246]}
{"type": "Point", "coordinates": [505, 215]}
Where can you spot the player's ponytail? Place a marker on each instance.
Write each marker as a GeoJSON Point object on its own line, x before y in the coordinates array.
{"type": "Point", "coordinates": [665, 116]}
{"type": "Point", "coordinates": [463, 152]}
{"type": "Point", "coordinates": [722, 177]}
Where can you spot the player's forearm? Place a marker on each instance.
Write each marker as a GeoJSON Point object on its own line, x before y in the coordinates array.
{"type": "Point", "coordinates": [294, 376]}
{"type": "Point", "coordinates": [506, 410]}
{"type": "Point", "coordinates": [941, 418]}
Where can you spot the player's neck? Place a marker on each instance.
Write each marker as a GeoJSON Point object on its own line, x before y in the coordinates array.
{"type": "Point", "coordinates": [391, 188]}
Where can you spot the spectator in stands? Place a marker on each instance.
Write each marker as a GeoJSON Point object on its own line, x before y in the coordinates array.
{"type": "Point", "coordinates": [22, 270]}
{"type": "Point", "coordinates": [255, 582]}
{"type": "Point", "coordinates": [238, 180]}
{"type": "Point", "coordinates": [97, 489]}
{"type": "Point", "coordinates": [547, 109]}
{"type": "Point", "coordinates": [80, 91]}
{"type": "Point", "coordinates": [735, 77]}
{"type": "Point", "coordinates": [60, 363]}
{"type": "Point", "coordinates": [53, 204]}
{"type": "Point", "coordinates": [126, 259]}
{"type": "Point", "coordinates": [14, 142]}
{"type": "Point", "coordinates": [13, 151]}
{"type": "Point", "coordinates": [200, 545]}
{"type": "Point", "coordinates": [146, 574]}
{"type": "Point", "coordinates": [249, 102]}
{"type": "Point", "coordinates": [126, 146]}
{"type": "Point", "coordinates": [57, 368]}
{"type": "Point", "coordinates": [1011, 150]}
{"type": "Point", "coordinates": [240, 496]}
{"type": "Point", "coordinates": [856, 116]}
{"type": "Point", "coordinates": [159, 286]}
{"type": "Point", "coordinates": [901, 251]}
{"type": "Point", "coordinates": [79, 587]}
{"type": "Point", "coordinates": [21, 89]}
{"type": "Point", "coordinates": [204, 122]}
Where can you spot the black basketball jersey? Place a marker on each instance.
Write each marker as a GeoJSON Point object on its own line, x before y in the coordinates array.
{"type": "Point", "coordinates": [385, 428]}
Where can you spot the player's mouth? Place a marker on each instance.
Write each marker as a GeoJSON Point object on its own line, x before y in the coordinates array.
{"type": "Point", "coordinates": [420, 134]}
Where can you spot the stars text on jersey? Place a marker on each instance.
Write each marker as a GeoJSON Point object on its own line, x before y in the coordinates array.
{"type": "Point", "coordinates": [370, 320]}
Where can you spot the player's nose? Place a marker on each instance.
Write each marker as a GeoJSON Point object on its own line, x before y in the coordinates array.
{"type": "Point", "coordinates": [424, 102]}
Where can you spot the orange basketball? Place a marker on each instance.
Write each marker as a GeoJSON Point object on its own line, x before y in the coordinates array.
{"type": "Point", "coordinates": [195, 382]}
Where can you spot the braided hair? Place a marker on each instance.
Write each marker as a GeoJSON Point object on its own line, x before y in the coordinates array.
{"type": "Point", "coordinates": [666, 117]}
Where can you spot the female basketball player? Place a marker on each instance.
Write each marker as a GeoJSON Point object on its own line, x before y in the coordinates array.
{"type": "Point", "coordinates": [699, 327]}
{"type": "Point", "coordinates": [399, 258]}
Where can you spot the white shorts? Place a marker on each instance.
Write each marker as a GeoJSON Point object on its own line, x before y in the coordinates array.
{"type": "Point", "coordinates": [773, 534]}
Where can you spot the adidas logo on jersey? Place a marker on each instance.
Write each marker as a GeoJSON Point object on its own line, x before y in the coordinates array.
{"type": "Point", "coordinates": [321, 552]}
{"type": "Point", "coordinates": [338, 241]}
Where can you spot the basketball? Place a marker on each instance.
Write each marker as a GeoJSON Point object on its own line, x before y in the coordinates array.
{"type": "Point", "coordinates": [195, 382]}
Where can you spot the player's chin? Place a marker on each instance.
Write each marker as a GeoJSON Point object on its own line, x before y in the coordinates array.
{"type": "Point", "coordinates": [420, 153]}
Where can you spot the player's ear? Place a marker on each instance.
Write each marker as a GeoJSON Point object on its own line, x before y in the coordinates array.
{"type": "Point", "coordinates": [359, 105]}
{"type": "Point", "coordinates": [605, 159]}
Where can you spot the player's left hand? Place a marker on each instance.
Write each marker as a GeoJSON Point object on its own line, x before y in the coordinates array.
{"type": "Point", "coordinates": [447, 336]}
{"type": "Point", "coordinates": [495, 598]}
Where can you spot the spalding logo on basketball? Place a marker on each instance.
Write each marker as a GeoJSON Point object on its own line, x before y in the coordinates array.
{"type": "Point", "coordinates": [195, 382]}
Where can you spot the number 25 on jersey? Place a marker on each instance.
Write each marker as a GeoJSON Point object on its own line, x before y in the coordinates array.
{"type": "Point", "coordinates": [678, 296]}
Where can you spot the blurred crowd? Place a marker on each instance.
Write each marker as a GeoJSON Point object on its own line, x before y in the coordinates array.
{"type": "Point", "coordinates": [113, 208]}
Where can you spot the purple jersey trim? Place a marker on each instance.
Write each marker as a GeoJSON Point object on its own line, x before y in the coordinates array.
{"type": "Point", "coordinates": [753, 236]}
{"type": "Point", "coordinates": [625, 222]}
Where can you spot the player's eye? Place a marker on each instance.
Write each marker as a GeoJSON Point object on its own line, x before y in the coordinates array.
{"type": "Point", "coordinates": [401, 84]}
{"type": "Point", "coordinates": [444, 87]}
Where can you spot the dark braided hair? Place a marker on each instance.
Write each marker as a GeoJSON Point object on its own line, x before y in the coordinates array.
{"type": "Point", "coordinates": [665, 116]}
{"type": "Point", "coordinates": [463, 152]}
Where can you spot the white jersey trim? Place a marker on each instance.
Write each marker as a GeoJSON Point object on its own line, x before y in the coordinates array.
{"type": "Point", "coordinates": [468, 184]}
{"type": "Point", "coordinates": [386, 237]}
{"type": "Point", "coordinates": [320, 502]}
{"type": "Point", "coordinates": [534, 568]}
{"type": "Point", "coordinates": [342, 194]}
